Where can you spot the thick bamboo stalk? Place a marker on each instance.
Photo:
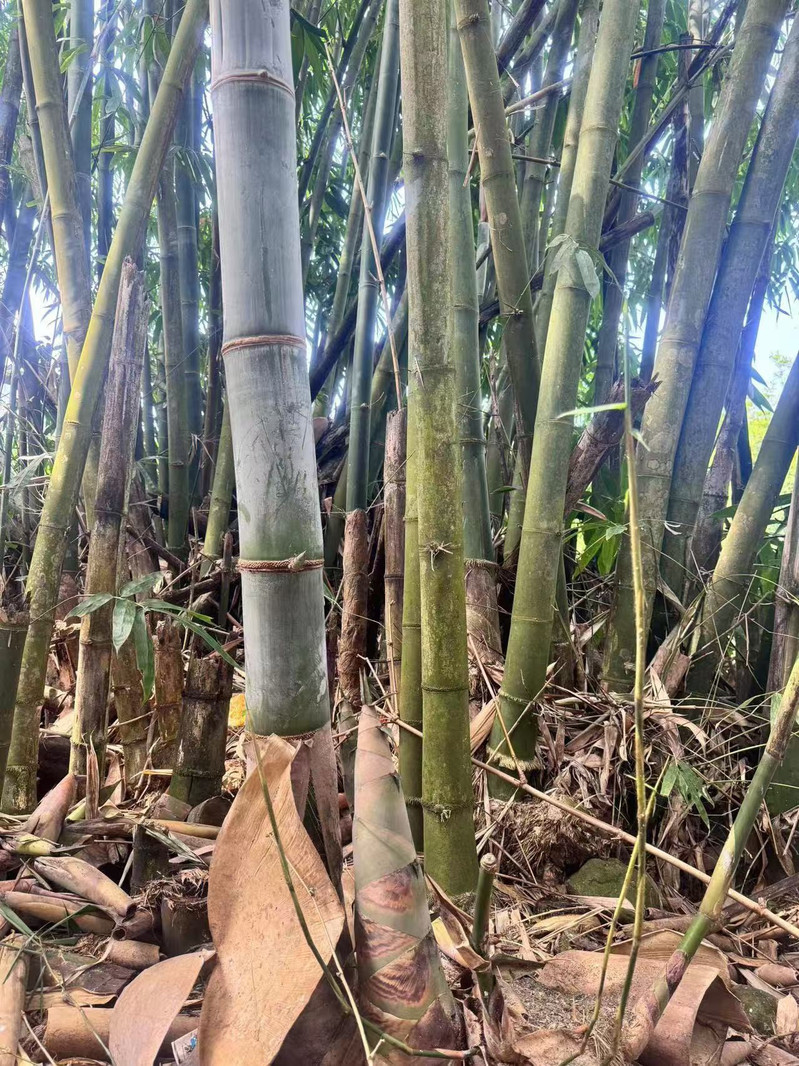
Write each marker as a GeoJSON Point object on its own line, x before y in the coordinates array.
{"type": "Point", "coordinates": [266, 372]}
{"type": "Point", "coordinates": [589, 21]}
{"type": "Point", "coordinates": [541, 543]}
{"type": "Point", "coordinates": [116, 457]}
{"type": "Point", "coordinates": [482, 618]}
{"type": "Point", "coordinates": [368, 285]}
{"type": "Point", "coordinates": [447, 802]}
{"type": "Point", "coordinates": [168, 691]}
{"type": "Point", "coordinates": [785, 643]}
{"type": "Point", "coordinates": [16, 272]}
{"type": "Point", "coordinates": [504, 215]}
{"type": "Point", "coordinates": [743, 253]}
{"type": "Point", "coordinates": [688, 304]}
{"type": "Point", "coordinates": [132, 713]}
{"type": "Point", "coordinates": [613, 295]}
{"type": "Point", "coordinates": [105, 175]}
{"type": "Point", "coordinates": [200, 761]}
{"type": "Point", "coordinates": [649, 1009]}
{"type": "Point", "coordinates": [9, 111]}
{"type": "Point", "coordinates": [13, 983]}
{"type": "Point", "coordinates": [13, 630]}
{"type": "Point", "coordinates": [45, 572]}
{"type": "Point", "coordinates": [177, 401]}
{"type": "Point", "coordinates": [732, 574]}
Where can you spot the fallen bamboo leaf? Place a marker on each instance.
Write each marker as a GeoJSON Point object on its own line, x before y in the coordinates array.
{"type": "Point", "coordinates": [402, 984]}
{"type": "Point", "coordinates": [141, 1019]}
{"type": "Point", "coordinates": [695, 1023]}
{"type": "Point", "coordinates": [85, 880]}
{"type": "Point", "coordinates": [778, 975]}
{"type": "Point", "coordinates": [455, 944]}
{"type": "Point", "coordinates": [266, 972]}
{"type": "Point", "coordinates": [787, 1016]}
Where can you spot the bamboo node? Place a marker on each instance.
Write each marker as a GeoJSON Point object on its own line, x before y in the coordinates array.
{"type": "Point", "coordinates": [260, 77]}
{"type": "Point", "coordinates": [295, 565]}
{"type": "Point", "coordinates": [507, 763]}
{"type": "Point", "coordinates": [265, 340]}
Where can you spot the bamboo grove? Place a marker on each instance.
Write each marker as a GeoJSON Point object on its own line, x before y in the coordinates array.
{"type": "Point", "coordinates": [418, 370]}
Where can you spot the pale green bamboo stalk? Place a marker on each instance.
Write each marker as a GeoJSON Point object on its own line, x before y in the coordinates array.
{"type": "Point", "coordinates": [705, 228]}
{"type": "Point", "coordinates": [10, 93]}
{"type": "Point", "coordinates": [368, 285]}
{"type": "Point", "coordinates": [19, 791]}
{"type": "Point", "coordinates": [539, 141]}
{"type": "Point", "coordinates": [725, 595]}
{"type": "Point", "coordinates": [650, 1007]}
{"type": "Point", "coordinates": [221, 495]}
{"type": "Point", "coordinates": [266, 373]}
{"type": "Point", "coordinates": [177, 402]}
{"type": "Point", "coordinates": [743, 252]}
{"type": "Point", "coordinates": [541, 543]}
{"type": "Point", "coordinates": [80, 41]}
{"type": "Point", "coordinates": [447, 802]}
{"type": "Point", "coordinates": [589, 21]}
{"type": "Point", "coordinates": [502, 203]}
{"type": "Point", "coordinates": [613, 296]}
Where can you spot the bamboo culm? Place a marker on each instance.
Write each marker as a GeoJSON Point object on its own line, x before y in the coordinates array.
{"type": "Point", "coordinates": [116, 457]}
{"type": "Point", "coordinates": [450, 854]}
{"type": "Point", "coordinates": [541, 544]}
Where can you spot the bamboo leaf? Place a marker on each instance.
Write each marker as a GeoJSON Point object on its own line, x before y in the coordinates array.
{"type": "Point", "coordinates": [90, 604]}
{"type": "Point", "coordinates": [124, 617]}
{"type": "Point", "coordinates": [585, 265]}
{"type": "Point", "coordinates": [140, 584]}
{"type": "Point", "coordinates": [145, 660]}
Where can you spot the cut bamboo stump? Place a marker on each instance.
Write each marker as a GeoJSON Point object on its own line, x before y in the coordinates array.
{"type": "Point", "coordinates": [200, 758]}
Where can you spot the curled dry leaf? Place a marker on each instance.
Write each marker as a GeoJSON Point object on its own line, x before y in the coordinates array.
{"type": "Point", "coordinates": [266, 973]}
{"type": "Point", "coordinates": [776, 974]}
{"type": "Point", "coordinates": [144, 1012]}
{"type": "Point", "coordinates": [47, 820]}
{"type": "Point", "coordinates": [787, 1016]}
{"type": "Point", "coordinates": [693, 1026]}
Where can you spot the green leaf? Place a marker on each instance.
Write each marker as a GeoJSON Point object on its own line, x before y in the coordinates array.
{"type": "Point", "coordinates": [588, 273]}
{"type": "Point", "coordinates": [140, 584]}
{"type": "Point", "coordinates": [210, 640]}
{"type": "Point", "coordinates": [593, 410]}
{"type": "Point", "coordinates": [669, 779]}
{"type": "Point", "coordinates": [145, 660]}
{"type": "Point", "coordinates": [89, 604]}
{"type": "Point", "coordinates": [124, 616]}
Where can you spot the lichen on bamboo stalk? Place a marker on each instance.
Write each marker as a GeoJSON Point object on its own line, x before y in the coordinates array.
{"type": "Point", "coordinates": [19, 790]}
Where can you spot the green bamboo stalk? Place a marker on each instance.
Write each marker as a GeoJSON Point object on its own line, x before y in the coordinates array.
{"type": "Point", "coordinates": [13, 630]}
{"type": "Point", "coordinates": [105, 175]}
{"type": "Point", "coordinates": [785, 643]}
{"type": "Point", "coordinates": [79, 97]}
{"type": "Point", "coordinates": [187, 138]}
{"type": "Point", "coordinates": [741, 260]}
{"type": "Point", "coordinates": [705, 228]}
{"type": "Point", "coordinates": [504, 215]}
{"type": "Point", "coordinates": [368, 285]}
{"type": "Point", "coordinates": [613, 296]}
{"type": "Point", "coordinates": [221, 496]}
{"type": "Point", "coordinates": [16, 273]}
{"type": "Point", "coordinates": [19, 791]}
{"type": "Point", "coordinates": [177, 400]}
{"type": "Point", "coordinates": [212, 421]}
{"type": "Point", "coordinates": [9, 111]}
{"type": "Point", "coordinates": [697, 28]}
{"type": "Point", "coordinates": [731, 578]}
{"type": "Point", "coordinates": [589, 22]}
{"type": "Point", "coordinates": [450, 855]}
{"type": "Point", "coordinates": [393, 935]}
{"type": "Point", "coordinates": [410, 694]}
{"type": "Point", "coordinates": [539, 141]}
{"type": "Point", "coordinates": [266, 373]}
{"type": "Point", "coordinates": [482, 616]}
{"type": "Point", "coordinates": [120, 423]}
{"type": "Point", "coordinates": [650, 1007]}
{"type": "Point", "coordinates": [541, 543]}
